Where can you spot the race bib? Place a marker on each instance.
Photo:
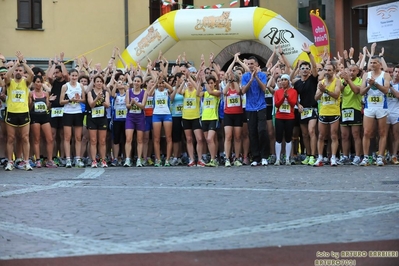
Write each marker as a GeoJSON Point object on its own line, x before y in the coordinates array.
{"type": "Point", "coordinates": [57, 111]}
{"type": "Point", "coordinates": [135, 109]}
{"type": "Point", "coordinates": [18, 96]}
{"type": "Point", "coordinates": [307, 112]}
{"type": "Point", "coordinates": [268, 94]}
{"type": "Point", "coordinates": [162, 101]}
{"type": "Point", "coordinates": [348, 115]}
{"type": "Point", "coordinates": [233, 100]}
{"type": "Point", "coordinates": [285, 108]}
{"type": "Point", "coordinates": [190, 103]}
{"type": "Point", "coordinates": [375, 101]}
{"type": "Point", "coordinates": [40, 107]}
{"type": "Point", "coordinates": [120, 113]}
{"type": "Point", "coordinates": [149, 103]}
{"type": "Point", "coordinates": [209, 103]}
{"type": "Point", "coordinates": [98, 112]}
{"type": "Point", "coordinates": [179, 109]}
{"type": "Point", "coordinates": [327, 99]}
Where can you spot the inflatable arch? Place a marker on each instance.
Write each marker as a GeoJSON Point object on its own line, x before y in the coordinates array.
{"type": "Point", "coordinates": [268, 27]}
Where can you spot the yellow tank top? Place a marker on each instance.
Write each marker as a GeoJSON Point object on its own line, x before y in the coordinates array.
{"type": "Point", "coordinates": [18, 97]}
{"type": "Point", "coordinates": [191, 105]}
{"type": "Point", "coordinates": [210, 107]}
{"type": "Point", "coordinates": [328, 105]}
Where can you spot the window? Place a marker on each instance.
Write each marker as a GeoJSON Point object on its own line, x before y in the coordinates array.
{"type": "Point", "coordinates": [29, 14]}
{"type": "Point", "coordinates": [251, 3]}
{"type": "Point", "coordinates": [157, 9]}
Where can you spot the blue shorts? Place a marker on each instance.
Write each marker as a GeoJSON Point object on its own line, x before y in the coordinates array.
{"type": "Point", "coordinates": [148, 123]}
{"type": "Point", "coordinates": [161, 118]}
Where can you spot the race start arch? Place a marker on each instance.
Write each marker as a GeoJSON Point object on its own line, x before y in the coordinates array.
{"type": "Point", "coordinates": [251, 23]}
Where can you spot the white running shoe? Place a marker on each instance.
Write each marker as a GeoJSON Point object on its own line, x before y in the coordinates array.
{"type": "Point", "coordinates": [264, 162]}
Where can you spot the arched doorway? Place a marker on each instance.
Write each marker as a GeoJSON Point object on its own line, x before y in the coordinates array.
{"type": "Point", "coordinates": [249, 48]}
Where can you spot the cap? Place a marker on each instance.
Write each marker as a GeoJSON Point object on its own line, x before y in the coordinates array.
{"type": "Point", "coordinates": [192, 69]}
{"type": "Point", "coordinates": [285, 76]}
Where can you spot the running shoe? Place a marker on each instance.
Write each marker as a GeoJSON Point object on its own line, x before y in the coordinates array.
{"type": "Point", "coordinates": [173, 161]}
{"type": "Point", "coordinates": [306, 161]}
{"type": "Point", "coordinates": [246, 161]}
{"type": "Point", "coordinates": [9, 166]}
{"type": "Point", "coordinates": [38, 164]}
{"type": "Point", "coordinates": [28, 167]}
{"type": "Point", "coordinates": [254, 163]}
{"type": "Point", "coordinates": [356, 161]}
{"type": "Point", "coordinates": [157, 163]}
{"type": "Point", "coordinates": [104, 163]}
{"type": "Point", "coordinates": [167, 164]}
{"type": "Point", "coordinates": [289, 162]}
{"type": "Point", "coordinates": [127, 163]}
{"type": "Point", "coordinates": [31, 163]}
{"type": "Point", "coordinates": [333, 161]}
{"type": "Point", "coordinates": [201, 163]}
{"type": "Point", "coordinates": [227, 163]}
{"type": "Point", "coordinates": [149, 161]}
{"type": "Point", "coordinates": [312, 161]}
{"type": "Point", "coordinates": [94, 164]}
{"type": "Point", "coordinates": [211, 163]}
{"type": "Point", "coordinates": [179, 161]}
{"type": "Point", "coordinates": [62, 162]}
{"type": "Point", "coordinates": [277, 163]}
{"type": "Point", "coordinates": [114, 162]}
{"type": "Point", "coordinates": [237, 163]}
{"type": "Point", "coordinates": [318, 163]}
{"type": "Point", "coordinates": [79, 163]}
{"type": "Point", "coordinates": [68, 163]}
{"type": "Point", "coordinates": [272, 159]}
{"type": "Point", "coordinates": [394, 160]}
{"type": "Point", "coordinates": [344, 160]}
{"type": "Point", "coordinates": [264, 162]}
{"type": "Point", "coordinates": [191, 163]}
{"type": "Point", "coordinates": [380, 161]}
{"type": "Point", "coordinates": [51, 164]}
{"type": "Point", "coordinates": [365, 162]}
{"type": "Point", "coordinates": [138, 163]}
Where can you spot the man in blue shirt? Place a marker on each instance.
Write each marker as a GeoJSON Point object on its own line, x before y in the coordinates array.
{"type": "Point", "coordinates": [254, 85]}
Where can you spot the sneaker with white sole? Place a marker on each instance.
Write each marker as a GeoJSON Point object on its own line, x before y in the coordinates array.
{"type": "Point", "coordinates": [104, 164]}
{"type": "Point", "coordinates": [277, 163]}
{"type": "Point", "coordinates": [127, 163]}
{"type": "Point", "coordinates": [356, 161]}
{"type": "Point", "coordinates": [264, 162]}
{"type": "Point", "coordinates": [79, 163]}
{"type": "Point", "coordinates": [68, 163]}
{"type": "Point", "coordinates": [318, 163]}
{"type": "Point", "coordinates": [138, 163]}
{"type": "Point", "coordinates": [254, 163]}
{"type": "Point", "coordinates": [380, 161]}
{"type": "Point", "coordinates": [9, 166]}
{"type": "Point", "coordinates": [333, 161]}
{"type": "Point", "coordinates": [227, 163]}
{"type": "Point", "coordinates": [365, 162]}
{"type": "Point", "coordinates": [237, 163]}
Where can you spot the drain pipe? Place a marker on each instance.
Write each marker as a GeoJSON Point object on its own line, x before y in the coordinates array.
{"type": "Point", "coordinates": [126, 23]}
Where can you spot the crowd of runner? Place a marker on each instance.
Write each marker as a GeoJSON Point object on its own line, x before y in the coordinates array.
{"type": "Point", "coordinates": [342, 110]}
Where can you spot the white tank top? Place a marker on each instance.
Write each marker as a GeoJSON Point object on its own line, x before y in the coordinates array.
{"type": "Point", "coordinates": [161, 101]}
{"type": "Point", "coordinates": [73, 108]}
{"type": "Point", "coordinates": [393, 102]}
{"type": "Point", "coordinates": [375, 98]}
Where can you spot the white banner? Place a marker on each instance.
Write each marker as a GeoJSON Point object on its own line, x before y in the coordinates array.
{"type": "Point", "coordinates": [383, 22]}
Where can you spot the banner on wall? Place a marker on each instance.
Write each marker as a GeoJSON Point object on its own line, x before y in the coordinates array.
{"type": "Point", "coordinates": [320, 35]}
{"type": "Point", "coordinates": [268, 27]}
{"type": "Point", "coordinates": [383, 22]}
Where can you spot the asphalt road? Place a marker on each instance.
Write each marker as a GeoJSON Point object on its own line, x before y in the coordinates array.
{"type": "Point", "coordinates": [53, 213]}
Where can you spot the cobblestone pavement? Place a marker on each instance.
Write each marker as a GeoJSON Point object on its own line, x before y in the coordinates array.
{"type": "Point", "coordinates": [73, 212]}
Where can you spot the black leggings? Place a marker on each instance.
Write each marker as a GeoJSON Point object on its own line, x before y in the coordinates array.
{"type": "Point", "coordinates": [284, 126]}
{"type": "Point", "coordinates": [118, 132]}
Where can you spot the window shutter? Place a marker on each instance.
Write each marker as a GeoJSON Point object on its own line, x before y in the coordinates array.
{"type": "Point", "coordinates": [37, 14]}
{"type": "Point", "coordinates": [24, 14]}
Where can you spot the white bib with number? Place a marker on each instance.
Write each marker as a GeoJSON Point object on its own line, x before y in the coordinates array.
{"type": "Point", "coordinates": [18, 96]}
{"type": "Point", "coordinates": [40, 107]}
{"type": "Point", "coordinates": [98, 112]}
{"type": "Point", "coordinates": [307, 112]}
{"type": "Point", "coordinates": [327, 100]}
{"type": "Point", "coordinates": [57, 111]}
{"type": "Point", "coordinates": [135, 109]}
{"type": "Point", "coordinates": [120, 113]}
{"type": "Point", "coordinates": [348, 115]}
{"type": "Point", "coordinates": [190, 103]}
{"type": "Point", "coordinates": [209, 103]}
{"type": "Point", "coordinates": [179, 109]}
{"type": "Point", "coordinates": [285, 107]}
{"type": "Point", "coordinates": [233, 100]}
{"type": "Point", "coordinates": [375, 101]}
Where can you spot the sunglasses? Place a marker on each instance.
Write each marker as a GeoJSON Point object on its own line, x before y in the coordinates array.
{"type": "Point", "coordinates": [305, 68]}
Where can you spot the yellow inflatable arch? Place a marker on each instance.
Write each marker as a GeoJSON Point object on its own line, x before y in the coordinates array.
{"type": "Point", "coordinates": [268, 27]}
